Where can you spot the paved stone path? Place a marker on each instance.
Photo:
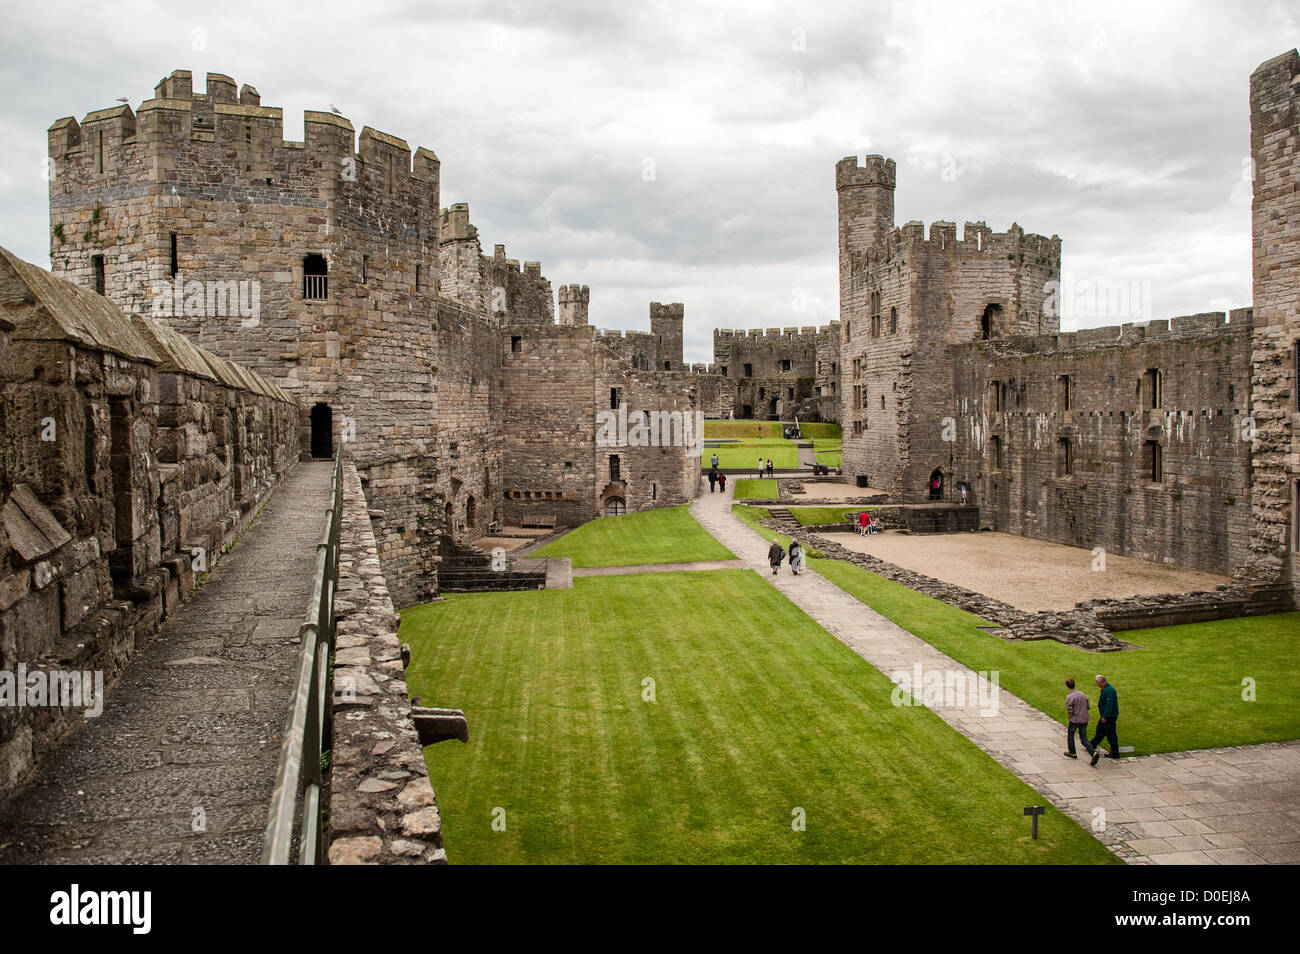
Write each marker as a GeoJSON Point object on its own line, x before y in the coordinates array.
{"type": "Point", "coordinates": [191, 730]}
{"type": "Point", "coordinates": [1214, 806]}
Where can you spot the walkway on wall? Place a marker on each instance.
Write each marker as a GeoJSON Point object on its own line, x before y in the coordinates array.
{"type": "Point", "coordinates": [1214, 806]}
{"type": "Point", "coordinates": [180, 766]}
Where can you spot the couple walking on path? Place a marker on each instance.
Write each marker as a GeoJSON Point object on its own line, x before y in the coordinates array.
{"type": "Point", "coordinates": [717, 479]}
{"type": "Point", "coordinates": [1076, 705]}
{"type": "Point", "coordinates": [776, 554]}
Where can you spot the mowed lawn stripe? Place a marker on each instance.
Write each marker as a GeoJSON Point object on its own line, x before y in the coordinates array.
{"type": "Point", "coordinates": [758, 711]}
{"type": "Point", "coordinates": [666, 535]}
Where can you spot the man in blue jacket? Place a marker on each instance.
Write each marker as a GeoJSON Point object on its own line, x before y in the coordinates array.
{"type": "Point", "coordinates": [1108, 709]}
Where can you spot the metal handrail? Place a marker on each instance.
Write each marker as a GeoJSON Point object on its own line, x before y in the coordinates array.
{"type": "Point", "coordinates": [307, 733]}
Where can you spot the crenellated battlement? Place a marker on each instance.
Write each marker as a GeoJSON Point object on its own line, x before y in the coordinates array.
{"type": "Point", "coordinates": [781, 333]}
{"type": "Point", "coordinates": [977, 240]}
{"type": "Point", "coordinates": [871, 171]}
{"type": "Point", "coordinates": [229, 125]}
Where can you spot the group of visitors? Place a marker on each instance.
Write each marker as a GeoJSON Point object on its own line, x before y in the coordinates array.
{"type": "Point", "coordinates": [717, 479]}
{"type": "Point", "coordinates": [867, 524]}
{"type": "Point", "coordinates": [776, 555]}
{"type": "Point", "coordinates": [762, 467]}
{"type": "Point", "coordinates": [1076, 707]}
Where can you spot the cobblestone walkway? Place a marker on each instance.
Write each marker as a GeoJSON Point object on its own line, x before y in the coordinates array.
{"type": "Point", "coordinates": [190, 734]}
{"type": "Point", "coordinates": [1213, 806]}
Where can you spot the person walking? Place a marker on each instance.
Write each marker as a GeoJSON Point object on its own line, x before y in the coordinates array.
{"type": "Point", "coordinates": [1108, 715]}
{"type": "Point", "coordinates": [796, 557]}
{"type": "Point", "coordinates": [775, 554]}
{"type": "Point", "coordinates": [864, 519]}
{"type": "Point", "coordinates": [760, 468]}
{"type": "Point", "coordinates": [713, 479]}
{"type": "Point", "coordinates": [722, 481]}
{"type": "Point", "coordinates": [1076, 710]}
{"type": "Point", "coordinates": [714, 461]}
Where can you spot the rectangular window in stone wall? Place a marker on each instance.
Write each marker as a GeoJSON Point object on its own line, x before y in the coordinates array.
{"type": "Point", "coordinates": [857, 395]}
{"type": "Point", "coordinates": [1152, 387]}
{"type": "Point", "coordinates": [857, 368]}
{"type": "Point", "coordinates": [995, 453]}
{"type": "Point", "coordinates": [995, 396]}
{"type": "Point", "coordinates": [615, 398]}
{"type": "Point", "coordinates": [1153, 461]}
{"type": "Point", "coordinates": [785, 364]}
{"type": "Point", "coordinates": [516, 343]}
{"type": "Point", "coordinates": [893, 321]}
{"type": "Point", "coordinates": [1063, 393]}
{"type": "Point", "coordinates": [614, 467]}
{"type": "Point", "coordinates": [857, 428]}
{"type": "Point", "coordinates": [175, 263]}
{"type": "Point", "coordinates": [1064, 458]}
{"type": "Point", "coordinates": [97, 271]}
{"type": "Point", "coordinates": [749, 370]}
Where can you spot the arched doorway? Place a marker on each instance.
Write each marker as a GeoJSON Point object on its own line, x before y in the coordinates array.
{"type": "Point", "coordinates": [322, 431]}
{"type": "Point", "coordinates": [615, 506]}
{"type": "Point", "coordinates": [936, 484]}
{"type": "Point", "coordinates": [471, 514]}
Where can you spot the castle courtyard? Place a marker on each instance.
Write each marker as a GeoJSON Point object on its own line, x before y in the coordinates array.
{"type": "Point", "coordinates": [1029, 574]}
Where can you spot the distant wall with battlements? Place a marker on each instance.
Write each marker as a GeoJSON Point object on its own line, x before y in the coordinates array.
{"type": "Point", "coordinates": [780, 373]}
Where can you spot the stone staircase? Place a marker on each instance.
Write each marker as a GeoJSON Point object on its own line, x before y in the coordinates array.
{"type": "Point", "coordinates": [468, 569]}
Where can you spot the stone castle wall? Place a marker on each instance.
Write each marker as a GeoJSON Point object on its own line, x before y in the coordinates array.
{"type": "Point", "coordinates": [780, 373]}
{"type": "Point", "coordinates": [132, 460]}
{"type": "Point", "coordinates": [1009, 405]}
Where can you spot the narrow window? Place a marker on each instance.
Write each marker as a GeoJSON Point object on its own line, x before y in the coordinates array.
{"type": "Point", "coordinates": [365, 269]}
{"type": "Point", "coordinates": [749, 370]}
{"type": "Point", "coordinates": [97, 271]}
{"type": "Point", "coordinates": [99, 153]}
{"type": "Point", "coordinates": [1064, 458]}
{"type": "Point", "coordinates": [175, 264]}
{"type": "Point", "coordinates": [857, 368]}
{"type": "Point", "coordinates": [995, 396]}
{"type": "Point", "coordinates": [893, 321]}
{"type": "Point", "coordinates": [419, 269]}
{"type": "Point", "coordinates": [785, 365]}
{"type": "Point", "coordinates": [615, 398]}
{"type": "Point", "coordinates": [315, 280]}
{"type": "Point", "coordinates": [1154, 387]}
{"type": "Point", "coordinates": [614, 467]}
{"type": "Point", "coordinates": [1155, 465]}
{"type": "Point", "coordinates": [875, 314]}
{"type": "Point", "coordinates": [995, 453]}
{"type": "Point", "coordinates": [724, 370]}
{"type": "Point", "coordinates": [516, 343]}
{"type": "Point", "coordinates": [1063, 393]}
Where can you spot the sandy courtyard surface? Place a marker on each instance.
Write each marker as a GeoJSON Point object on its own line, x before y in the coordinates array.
{"type": "Point", "coordinates": [817, 492]}
{"type": "Point", "coordinates": [1029, 574]}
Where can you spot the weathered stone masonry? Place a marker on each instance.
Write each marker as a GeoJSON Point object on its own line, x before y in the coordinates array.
{"type": "Point", "coordinates": [131, 459]}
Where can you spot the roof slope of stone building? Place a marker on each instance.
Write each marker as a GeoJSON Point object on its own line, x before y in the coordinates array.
{"type": "Point", "coordinates": [45, 308]}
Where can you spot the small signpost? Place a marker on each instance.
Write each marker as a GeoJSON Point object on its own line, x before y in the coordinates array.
{"type": "Point", "coordinates": [1034, 811]}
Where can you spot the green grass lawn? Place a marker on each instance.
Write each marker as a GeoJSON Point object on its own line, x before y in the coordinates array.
{"type": "Point", "coordinates": [757, 490]}
{"type": "Point", "coordinates": [1181, 690]}
{"type": "Point", "coordinates": [829, 451]}
{"type": "Point", "coordinates": [744, 455]}
{"type": "Point", "coordinates": [750, 515]}
{"type": "Point", "coordinates": [666, 535]}
{"type": "Point", "coordinates": [747, 430]}
{"type": "Point", "coordinates": [808, 516]}
{"type": "Point", "coordinates": [820, 432]}
{"type": "Point", "coordinates": [758, 717]}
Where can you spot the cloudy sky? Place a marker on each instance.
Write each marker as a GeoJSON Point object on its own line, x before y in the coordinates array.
{"type": "Point", "coordinates": [685, 152]}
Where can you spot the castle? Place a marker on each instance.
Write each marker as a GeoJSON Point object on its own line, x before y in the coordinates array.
{"type": "Point", "coordinates": [1171, 440]}
{"type": "Point", "coordinates": [463, 401]}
